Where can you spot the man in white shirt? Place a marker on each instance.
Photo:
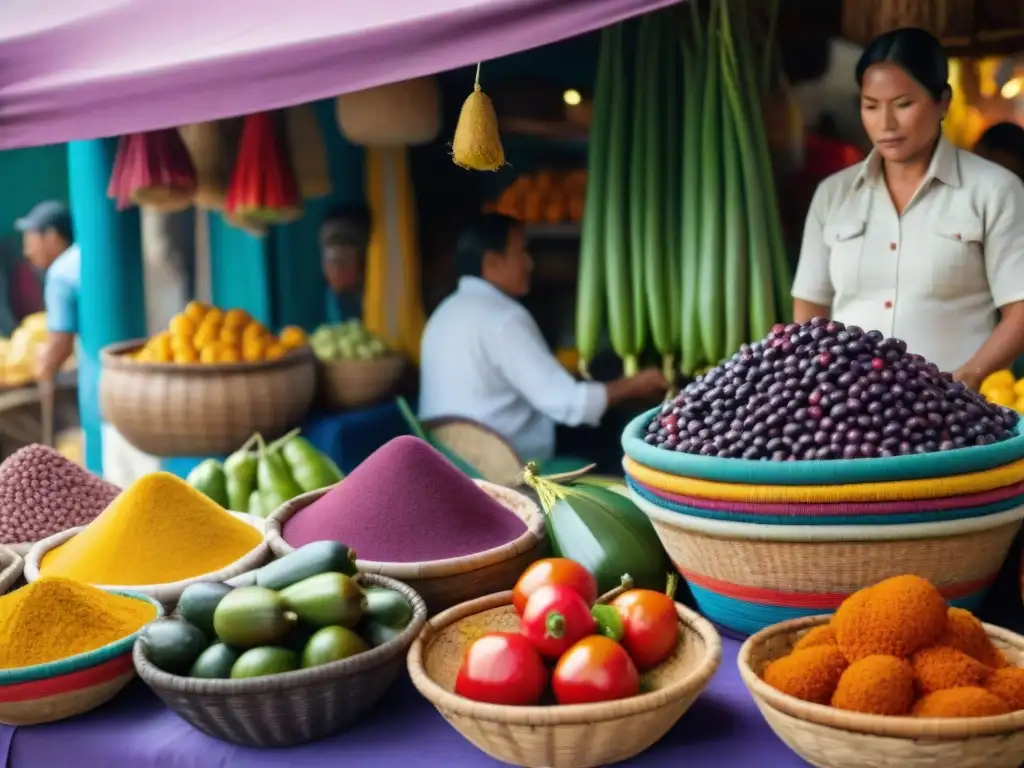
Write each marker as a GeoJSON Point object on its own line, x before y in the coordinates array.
{"type": "Point", "coordinates": [484, 358]}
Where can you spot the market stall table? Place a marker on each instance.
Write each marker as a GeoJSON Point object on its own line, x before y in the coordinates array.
{"type": "Point", "coordinates": [723, 728]}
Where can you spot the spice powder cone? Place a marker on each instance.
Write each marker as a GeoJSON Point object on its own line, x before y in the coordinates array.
{"type": "Point", "coordinates": [477, 143]}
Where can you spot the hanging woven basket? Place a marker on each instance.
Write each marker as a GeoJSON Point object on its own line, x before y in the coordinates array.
{"type": "Point", "coordinates": [394, 115]}
{"type": "Point", "coordinates": [208, 147]}
{"type": "Point", "coordinates": [307, 152]}
{"type": "Point", "coordinates": [153, 170]}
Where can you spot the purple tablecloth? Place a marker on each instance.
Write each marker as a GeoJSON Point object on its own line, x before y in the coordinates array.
{"type": "Point", "coordinates": [723, 728]}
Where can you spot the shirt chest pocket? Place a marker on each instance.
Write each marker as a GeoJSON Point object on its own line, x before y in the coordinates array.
{"type": "Point", "coordinates": [953, 264]}
{"type": "Point", "coordinates": [845, 240]}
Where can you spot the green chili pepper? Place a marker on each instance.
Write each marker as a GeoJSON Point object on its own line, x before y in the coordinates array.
{"type": "Point", "coordinates": [240, 473]}
{"type": "Point", "coordinates": [274, 480]}
{"type": "Point", "coordinates": [209, 478]}
{"type": "Point", "coordinates": [308, 466]}
{"type": "Point", "coordinates": [255, 507]}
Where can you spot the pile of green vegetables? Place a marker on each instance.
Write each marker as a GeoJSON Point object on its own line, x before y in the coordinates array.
{"type": "Point", "coordinates": [301, 611]}
{"type": "Point", "coordinates": [682, 252]}
{"type": "Point", "coordinates": [346, 341]}
{"type": "Point", "coordinates": [597, 525]}
{"type": "Point", "coordinates": [259, 480]}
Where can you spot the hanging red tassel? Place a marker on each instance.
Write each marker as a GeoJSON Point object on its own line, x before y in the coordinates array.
{"type": "Point", "coordinates": [262, 187]}
{"type": "Point", "coordinates": [153, 170]}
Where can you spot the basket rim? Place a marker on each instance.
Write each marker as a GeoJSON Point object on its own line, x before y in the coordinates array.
{"type": "Point", "coordinates": [391, 358]}
{"type": "Point", "coordinates": [825, 533]}
{"type": "Point", "coordinates": [112, 359]}
{"type": "Point", "coordinates": [872, 725]}
{"type": "Point", "coordinates": [157, 678]}
{"type": "Point", "coordinates": [570, 714]}
{"type": "Point", "coordinates": [169, 590]}
{"type": "Point", "coordinates": [535, 533]}
{"type": "Point", "coordinates": [833, 472]}
{"type": "Point", "coordinates": [10, 572]}
{"type": "Point", "coordinates": [85, 660]}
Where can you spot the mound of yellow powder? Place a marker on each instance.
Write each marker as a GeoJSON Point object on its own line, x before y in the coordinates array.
{"type": "Point", "coordinates": [52, 619]}
{"type": "Point", "coordinates": [158, 530]}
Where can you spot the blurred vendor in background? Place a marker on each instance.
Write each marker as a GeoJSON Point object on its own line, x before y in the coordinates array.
{"type": "Point", "coordinates": [483, 356]}
{"type": "Point", "coordinates": [344, 238]}
{"type": "Point", "coordinates": [1003, 143]}
{"type": "Point", "coordinates": [49, 246]}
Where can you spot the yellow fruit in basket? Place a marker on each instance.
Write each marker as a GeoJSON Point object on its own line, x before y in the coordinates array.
{"type": "Point", "coordinates": [1001, 396]}
{"type": "Point", "coordinates": [292, 337]}
{"type": "Point", "coordinates": [196, 311]}
{"type": "Point", "coordinates": [214, 315]}
{"type": "Point", "coordinates": [236, 318]}
{"type": "Point", "coordinates": [208, 354]}
{"type": "Point", "coordinates": [252, 350]}
{"type": "Point", "coordinates": [205, 336]}
{"type": "Point", "coordinates": [228, 355]}
{"type": "Point", "coordinates": [254, 330]}
{"type": "Point", "coordinates": [181, 342]}
{"type": "Point", "coordinates": [186, 355]}
{"type": "Point", "coordinates": [230, 336]}
{"type": "Point", "coordinates": [160, 348]}
{"type": "Point", "coordinates": [181, 325]}
{"type": "Point", "coordinates": [144, 356]}
{"type": "Point", "coordinates": [274, 351]}
{"type": "Point", "coordinates": [1003, 379]}
{"type": "Point", "coordinates": [1018, 388]}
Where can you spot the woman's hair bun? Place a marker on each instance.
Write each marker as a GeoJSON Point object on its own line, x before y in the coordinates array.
{"type": "Point", "coordinates": [913, 50]}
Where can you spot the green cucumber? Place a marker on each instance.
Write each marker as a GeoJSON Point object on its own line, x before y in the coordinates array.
{"type": "Point", "coordinates": [387, 607]}
{"type": "Point", "coordinates": [252, 616]}
{"type": "Point", "coordinates": [215, 662]}
{"type": "Point", "coordinates": [198, 603]}
{"type": "Point", "coordinates": [314, 558]}
{"type": "Point", "coordinates": [173, 645]}
{"type": "Point", "coordinates": [263, 661]}
{"type": "Point", "coordinates": [325, 600]}
{"type": "Point", "coordinates": [332, 644]}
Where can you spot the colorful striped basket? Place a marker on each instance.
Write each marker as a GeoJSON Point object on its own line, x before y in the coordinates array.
{"type": "Point", "coordinates": [747, 576]}
{"type": "Point", "coordinates": [837, 472]}
{"type": "Point", "coordinates": [47, 692]}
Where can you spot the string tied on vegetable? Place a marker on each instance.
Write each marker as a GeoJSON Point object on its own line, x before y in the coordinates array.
{"type": "Point", "coordinates": [476, 145]}
{"type": "Point", "coordinates": [548, 491]}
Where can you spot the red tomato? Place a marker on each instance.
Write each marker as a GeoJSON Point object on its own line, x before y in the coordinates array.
{"type": "Point", "coordinates": [650, 626]}
{"type": "Point", "coordinates": [502, 668]}
{"type": "Point", "coordinates": [554, 570]}
{"type": "Point", "coordinates": [556, 617]}
{"type": "Point", "coordinates": [595, 669]}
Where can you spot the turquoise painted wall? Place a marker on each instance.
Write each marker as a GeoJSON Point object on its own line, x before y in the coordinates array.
{"type": "Point", "coordinates": [29, 176]}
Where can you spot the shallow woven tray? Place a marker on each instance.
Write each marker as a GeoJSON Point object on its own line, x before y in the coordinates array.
{"type": "Point", "coordinates": [167, 594]}
{"type": "Point", "coordinates": [11, 566]}
{"type": "Point", "coordinates": [577, 736]}
{"type": "Point", "coordinates": [835, 472]}
{"type": "Point", "coordinates": [834, 738]}
{"type": "Point", "coordinates": [293, 707]}
{"type": "Point", "coordinates": [444, 583]}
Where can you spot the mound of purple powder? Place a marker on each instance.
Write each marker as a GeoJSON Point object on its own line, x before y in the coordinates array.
{"type": "Point", "coordinates": [43, 493]}
{"type": "Point", "coordinates": [406, 503]}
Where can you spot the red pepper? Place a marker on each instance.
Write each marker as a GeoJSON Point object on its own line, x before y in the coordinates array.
{"type": "Point", "coordinates": [502, 668]}
{"type": "Point", "coordinates": [554, 570]}
{"type": "Point", "coordinates": [555, 617]}
{"type": "Point", "coordinates": [650, 626]}
{"type": "Point", "coordinates": [595, 669]}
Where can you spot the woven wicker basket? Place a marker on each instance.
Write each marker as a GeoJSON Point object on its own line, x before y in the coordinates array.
{"type": "Point", "coordinates": [577, 736]}
{"type": "Point", "coordinates": [348, 384]}
{"type": "Point", "coordinates": [833, 738]}
{"type": "Point", "coordinates": [47, 692]}
{"type": "Point", "coordinates": [481, 447]}
{"type": "Point", "coordinates": [166, 594]}
{"type": "Point", "coordinates": [444, 583]}
{"type": "Point", "coordinates": [391, 115]}
{"type": "Point", "coordinates": [747, 576]}
{"type": "Point", "coordinates": [294, 707]}
{"type": "Point", "coordinates": [203, 410]}
{"type": "Point", "coordinates": [11, 566]}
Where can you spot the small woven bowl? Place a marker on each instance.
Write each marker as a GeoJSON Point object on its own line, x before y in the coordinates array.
{"type": "Point", "coordinates": [444, 583]}
{"type": "Point", "coordinates": [359, 383]}
{"type": "Point", "coordinates": [11, 566]}
{"type": "Point", "coordinates": [576, 736]}
{"type": "Point", "coordinates": [836, 472]}
{"type": "Point", "coordinates": [747, 576]}
{"type": "Point", "coordinates": [294, 707]}
{"type": "Point", "coordinates": [167, 594]}
{"type": "Point", "coordinates": [833, 738]}
{"type": "Point", "coordinates": [47, 692]}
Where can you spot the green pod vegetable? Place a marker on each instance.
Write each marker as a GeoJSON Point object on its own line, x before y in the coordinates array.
{"type": "Point", "coordinates": [274, 480]}
{"type": "Point", "coordinates": [310, 469]}
{"type": "Point", "coordinates": [255, 504]}
{"type": "Point", "coordinates": [607, 544]}
{"type": "Point", "coordinates": [620, 504]}
{"type": "Point", "coordinates": [240, 476]}
{"type": "Point", "coordinates": [209, 478]}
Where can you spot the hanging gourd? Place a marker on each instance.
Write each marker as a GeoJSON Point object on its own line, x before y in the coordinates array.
{"type": "Point", "coordinates": [307, 152]}
{"type": "Point", "coordinates": [154, 170]}
{"type": "Point", "coordinates": [398, 114]}
{"type": "Point", "coordinates": [209, 152]}
{"type": "Point", "coordinates": [477, 143]}
{"type": "Point", "coordinates": [263, 188]}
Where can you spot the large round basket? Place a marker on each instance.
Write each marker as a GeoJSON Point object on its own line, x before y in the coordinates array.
{"type": "Point", "coordinates": [481, 447]}
{"type": "Point", "coordinates": [834, 738]}
{"type": "Point", "coordinates": [294, 707]}
{"type": "Point", "coordinates": [166, 409]}
{"type": "Point", "coordinates": [166, 594]}
{"type": "Point", "coordinates": [837, 472]}
{"type": "Point", "coordinates": [747, 576]}
{"type": "Point", "coordinates": [47, 692]}
{"type": "Point", "coordinates": [11, 566]}
{"type": "Point", "coordinates": [348, 384]}
{"type": "Point", "coordinates": [576, 736]}
{"type": "Point", "coordinates": [444, 583]}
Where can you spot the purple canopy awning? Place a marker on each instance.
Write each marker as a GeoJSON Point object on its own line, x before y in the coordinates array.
{"type": "Point", "coordinates": [78, 69]}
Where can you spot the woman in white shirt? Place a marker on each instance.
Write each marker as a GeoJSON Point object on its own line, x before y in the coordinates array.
{"type": "Point", "coordinates": [482, 356]}
{"type": "Point", "coordinates": [921, 241]}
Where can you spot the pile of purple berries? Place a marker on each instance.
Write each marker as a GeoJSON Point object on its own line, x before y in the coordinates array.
{"type": "Point", "coordinates": [823, 390]}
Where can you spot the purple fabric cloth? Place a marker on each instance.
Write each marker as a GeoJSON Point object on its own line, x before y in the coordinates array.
{"type": "Point", "coordinates": [723, 728]}
{"type": "Point", "coordinates": [91, 68]}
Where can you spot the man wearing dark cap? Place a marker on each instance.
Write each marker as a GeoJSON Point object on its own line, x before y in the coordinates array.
{"type": "Point", "coordinates": [344, 238]}
{"type": "Point", "coordinates": [49, 246]}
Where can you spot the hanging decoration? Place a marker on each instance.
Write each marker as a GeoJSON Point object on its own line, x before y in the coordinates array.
{"type": "Point", "coordinates": [153, 170]}
{"type": "Point", "coordinates": [477, 143]}
{"type": "Point", "coordinates": [307, 152]}
{"type": "Point", "coordinates": [262, 188]}
{"type": "Point", "coordinates": [209, 150]}
{"type": "Point", "coordinates": [399, 114]}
